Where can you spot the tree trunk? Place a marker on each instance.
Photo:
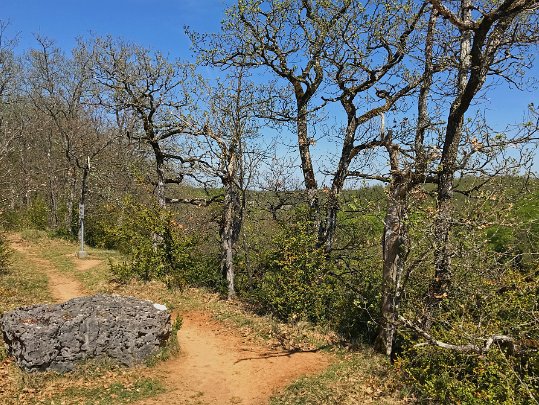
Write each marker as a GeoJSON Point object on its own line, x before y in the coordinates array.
{"type": "Point", "coordinates": [326, 235]}
{"type": "Point", "coordinates": [82, 204]}
{"type": "Point", "coordinates": [442, 226]}
{"type": "Point", "coordinates": [160, 170]}
{"type": "Point", "coordinates": [395, 250]}
{"type": "Point", "coordinates": [442, 246]}
{"type": "Point", "coordinates": [68, 220]}
{"type": "Point", "coordinates": [304, 144]}
{"type": "Point", "coordinates": [230, 227]}
{"type": "Point", "coordinates": [53, 200]}
{"type": "Point", "coordinates": [158, 239]}
{"type": "Point", "coordinates": [53, 217]}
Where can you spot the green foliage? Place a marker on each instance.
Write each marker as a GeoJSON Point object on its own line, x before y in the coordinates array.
{"type": "Point", "coordinates": [519, 239]}
{"type": "Point", "coordinates": [281, 271]}
{"type": "Point", "coordinates": [205, 271]}
{"type": "Point", "coordinates": [492, 293]}
{"type": "Point", "coordinates": [446, 376]}
{"type": "Point", "coordinates": [155, 245]}
{"type": "Point", "coordinates": [37, 215]}
{"type": "Point", "coordinates": [101, 231]}
{"type": "Point", "coordinates": [297, 281]}
{"type": "Point", "coordinates": [34, 215]}
{"type": "Point", "coordinates": [358, 291]}
{"type": "Point", "coordinates": [489, 297]}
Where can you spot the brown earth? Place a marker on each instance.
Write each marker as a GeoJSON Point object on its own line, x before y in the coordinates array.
{"type": "Point", "coordinates": [216, 365]}
{"type": "Point", "coordinates": [62, 288]}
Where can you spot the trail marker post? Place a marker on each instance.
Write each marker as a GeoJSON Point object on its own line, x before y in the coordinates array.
{"type": "Point", "coordinates": [82, 253]}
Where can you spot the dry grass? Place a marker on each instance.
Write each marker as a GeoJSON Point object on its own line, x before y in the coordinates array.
{"type": "Point", "coordinates": [95, 382]}
{"type": "Point", "coordinates": [359, 377]}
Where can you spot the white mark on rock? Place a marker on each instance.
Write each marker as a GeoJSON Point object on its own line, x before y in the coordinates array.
{"type": "Point", "coordinates": [160, 307]}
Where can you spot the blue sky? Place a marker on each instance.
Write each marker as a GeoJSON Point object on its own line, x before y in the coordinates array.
{"type": "Point", "coordinates": [153, 23]}
{"type": "Point", "coordinates": [159, 24]}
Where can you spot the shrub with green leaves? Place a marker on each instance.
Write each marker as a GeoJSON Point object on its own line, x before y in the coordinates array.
{"type": "Point", "coordinates": [155, 246]}
{"type": "Point", "coordinates": [518, 239]}
{"type": "Point", "coordinates": [490, 295]}
{"type": "Point", "coordinates": [101, 230]}
{"type": "Point", "coordinates": [445, 376]}
{"type": "Point", "coordinates": [297, 280]}
{"type": "Point", "coordinates": [503, 375]}
{"type": "Point", "coordinates": [285, 274]}
{"type": "Point", "coordinates": [34, 215]}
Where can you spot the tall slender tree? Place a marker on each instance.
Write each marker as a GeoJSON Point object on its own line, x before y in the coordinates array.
{"type": "Point", "coordinates": [229, 129]}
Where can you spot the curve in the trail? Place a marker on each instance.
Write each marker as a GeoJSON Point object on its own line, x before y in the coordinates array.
{"type": "Point", "coordinates": [62, 288]}
{"type": "Point", "coordinates": [215, 365]}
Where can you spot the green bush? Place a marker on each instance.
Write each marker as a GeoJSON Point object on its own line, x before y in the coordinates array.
{"type": "Point", "coordinates": [296, 280]}
{"type": "Point", "coordinates": [445, 376]}
{"type": "Point", "coordinates": [205, 271]}
{"type": "Point", "coordinates": [493, 298]}
{"type": "Point", "coordinates": [35, 215]}
{"type": "Point", "coordinates": [285, 274]}
{"type": "Point", "coordinates": [517, 240]}
{"type": "Point", "coordinates": [155, 246]}
{"type": "Point", "coordinates": [102, 230]}
{"type": "Point", "coordinates": [491, 293]}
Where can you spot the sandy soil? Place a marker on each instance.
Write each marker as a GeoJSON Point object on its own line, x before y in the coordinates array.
{"type": "Point", "coordinates": [217, 366]}
{"type": "Point", "coordinates": [85, 264]}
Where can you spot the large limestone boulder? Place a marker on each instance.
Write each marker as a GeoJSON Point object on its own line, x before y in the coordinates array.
{"type": "Point", "coordinates": [56, 337]}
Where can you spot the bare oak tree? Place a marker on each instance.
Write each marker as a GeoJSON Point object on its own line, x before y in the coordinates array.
{"type": "Point", "coordinates": [152, 88]}
{"type": "Point", "coordinates": [491, 36]}
{"type": "Point", "coordinates": [226, 144]}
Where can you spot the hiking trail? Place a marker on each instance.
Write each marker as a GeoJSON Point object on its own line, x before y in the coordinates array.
{"type": "Point", "coordinates": [216, 365]}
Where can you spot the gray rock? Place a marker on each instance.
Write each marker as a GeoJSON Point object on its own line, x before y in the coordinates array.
{"type": "Point", "coordinates": [56, 337]}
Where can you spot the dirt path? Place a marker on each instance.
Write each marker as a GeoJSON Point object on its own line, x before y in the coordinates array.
{"type": "Point", "coordinates": [62, 288]}
{"type": "Point", "coordinates": [215, 366]}
{"type": "Point", "coordinates": [85, 264]}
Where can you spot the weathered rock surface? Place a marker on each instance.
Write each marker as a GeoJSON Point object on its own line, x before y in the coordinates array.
{"type": "Point", "coordinates": [56, 337]}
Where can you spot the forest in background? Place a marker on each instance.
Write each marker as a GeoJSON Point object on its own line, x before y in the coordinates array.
{"type": "Point", "coordinates": [416, 231]}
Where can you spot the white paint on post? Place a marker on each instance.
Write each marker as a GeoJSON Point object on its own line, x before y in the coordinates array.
{"type": "Point", "coordinates": [82, 253]}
